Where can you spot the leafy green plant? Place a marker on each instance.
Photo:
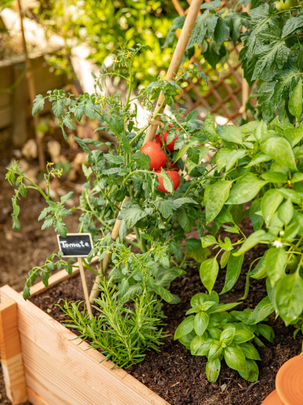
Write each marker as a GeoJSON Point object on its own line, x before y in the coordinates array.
{"type": "Point", "coordinates": [121, 333]}
{"type": "Point", "coordinates": [212, 332]}
{"type": "Point", "coordinates": [272, 51]}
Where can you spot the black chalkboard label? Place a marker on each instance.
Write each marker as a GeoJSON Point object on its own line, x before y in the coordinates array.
{"type": "Point", "coordinates": [75, 244]}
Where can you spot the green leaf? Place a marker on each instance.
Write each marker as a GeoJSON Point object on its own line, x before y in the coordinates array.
{"type": "Point", "coordinates": [267, 332]}
{"type": "Point", "coordinates": [234, 267]}
{"type": "Point", "coordinates": [208, 273]}
{"type": "Point", "coordinates": [215, 197]}
{"type": "Point", "coordinates": [196, 343]}
{"type": "Point", "coordinates": [215, 351]}
{"type": "Point", "coordinates": [255, 216]}
{"type": "Point", "coordinates": [280, 150]}
{"type": "Point", "coordinates": [262, 311]}
{"type": "Point", "coordinates": [181, 152]}
{"type": "Point", "coordinates": [259, 158]}
{"type": "Point", "coordinates": [233, 157]}
{"type": "Point", "coordinates": [141, 159]}
{"type": "Point", "coordinates": [199, 31]}
{"type": "Point", "coordinates": [246, 188]}
{"type": "Point", "coordinates": [194, 249]}
{"type": "Point", "coordinates": [260, 270]}
{"type": "Point", "coordinates": [270, 203]}
{"type": "Point", "coordinates": [60, 228]}
{"type": "Point", "coordinates": [286, 212]}
{"type": "Point", "coordinates": [132, 215]}
{"type": "Point", "coordinates": [288, 298]}
{"type": "Point", "coordinates": [66, 197]}
{"type": "Point", "coordinates": [231, 133]}
{"type": "Point", "coordinates": [208, 240]}
{"type": "Point", "coordinates": [212, 370]}
{"type": "Point", "coordinates": [210, 127]}
{"type": "Point", "coordinates": [68, 122]}
{"type": "Point", "coordinates": [274, 177]}
{"type": "Point", "coordinates": [250, 351]}
{"type": "Point", "coordinates": [167, 182]}
{"type": "Point", "coordinates": [26, 292]}
{"type": "Point", "coordinates": [252, 373]}
{"type": "Point", "coordinates": [78, 113]}
{"type": "Point", "coordinates": [47, 223]}
{"type": "Point", "coordinates": [164, 293]}
{"type": "Point", "coordinates": [235, 358]}
{"type": "Point", "coordinates": [224, 259]}
{"type": "Point", "coordinates": [295, 100]}
{"type": "Point", "coordinates": [253, 240]}
{"type": "Point", "coordinates": [223, 307]}
{"type": "Point", "coordinates": [58, 107]}
{"type": "Point", "coordinates": [292, 24]}
{"type": "Point", "coordinates": [185, 327]}
{"type": "Point", "coordinates": [184, 220]}
{"type": "Point", "coordinates": [212, 5]}
{"type": "Point", "coordinates": [221, 157]}
{"type": "Point", "coordinates": [291, 194]}
{"type": "Point", "coordinates": [227, 336]}
{"type": "Point", "coordinates": [275, 264]}
{"type": "Point", "coordinates": [38, 104]}
{"type": "Point", "coordinates": [200, 323]}
{"type": "Point", "coordinates": [242, 336]}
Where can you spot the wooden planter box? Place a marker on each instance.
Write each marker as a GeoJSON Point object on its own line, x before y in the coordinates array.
{"type": "Point", "coordinates": [42, 364]}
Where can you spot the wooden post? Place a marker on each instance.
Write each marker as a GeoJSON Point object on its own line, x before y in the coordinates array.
{"type": "Point", "coordinates": [84, 284]}
{"type": "Point", "coordinates": [172, 70]}
{"type": "Point", "coordinates": [10, 351]}
{"type": "Point", "coordinates": [32, 89]}
{"type": "Point", "coordinates": [176, 59]}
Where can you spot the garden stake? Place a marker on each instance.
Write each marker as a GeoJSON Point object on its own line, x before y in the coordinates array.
{"type": "Point", "coordinates": [172, 70]}
{"type": "Point", "coordinates": [85, 289]}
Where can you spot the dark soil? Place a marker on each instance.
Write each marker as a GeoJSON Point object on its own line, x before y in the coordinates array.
{"type": "Point", "coordinates": [175, 374]}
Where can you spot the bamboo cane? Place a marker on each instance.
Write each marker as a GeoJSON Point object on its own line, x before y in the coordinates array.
{"type": "Point", "coordinates": [32, 89]}
{"type": "Point", "coordinates": [172, 70]}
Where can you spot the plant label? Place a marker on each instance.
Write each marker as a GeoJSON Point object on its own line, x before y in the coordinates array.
{"type": "Point", "coordinates": [75, 244]}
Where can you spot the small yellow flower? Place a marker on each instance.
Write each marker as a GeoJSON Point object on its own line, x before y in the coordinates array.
{"type": "Point", "coordinates": [128, 55]}
{"type": "Point", "coordinates": [50, 164]}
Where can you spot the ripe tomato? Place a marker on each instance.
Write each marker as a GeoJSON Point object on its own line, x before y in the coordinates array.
{"type": "Point", "coordinates": [173, 166]}
{"type": "Point", "coordinates": [174, 177]}
{"type": "Point", "coordinates": [157, 156]}
{"type": "Point", "coordinates": [171, 145]}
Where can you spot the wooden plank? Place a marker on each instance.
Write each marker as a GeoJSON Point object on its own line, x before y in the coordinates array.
{"type": "Point", "coordinates": [10, 350]}
{"type": "Point", "coordinates": [35, 399]}
{"type": "Point", "coordinates": [59, 356]}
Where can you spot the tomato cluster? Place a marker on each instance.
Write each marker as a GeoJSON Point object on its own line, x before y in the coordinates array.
{"type": "Point", "coordinates": [158, 159]}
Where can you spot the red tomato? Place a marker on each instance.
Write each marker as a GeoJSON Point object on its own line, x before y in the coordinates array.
{"type": "Point", "coordinates": [174, 177]}
{"type": "Point", "coordinates": [171, 145]}
{"type": "Point", "coordinates": [157, 156]}
{"type": "Point", "coordinates": [173, 166]}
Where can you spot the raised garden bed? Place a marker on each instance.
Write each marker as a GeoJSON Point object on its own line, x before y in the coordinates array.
{"type": "Point", "coordinates": [58, 369]}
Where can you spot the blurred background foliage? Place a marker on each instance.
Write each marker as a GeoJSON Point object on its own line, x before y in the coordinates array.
{"type": "Point", "coordinates": [106, 25]}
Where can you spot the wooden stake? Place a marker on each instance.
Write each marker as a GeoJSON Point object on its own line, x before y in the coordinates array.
{"type": "Point", "coordinates": [32, 89]}
{"type": "Point", "coordinates": [172, 70]}
{"type": "Point", "coordinates": [10, 351]}
{"type": "Point", "coordinates": [176, 60]}
{"type": "Point", "coordinates": [85, 289]}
